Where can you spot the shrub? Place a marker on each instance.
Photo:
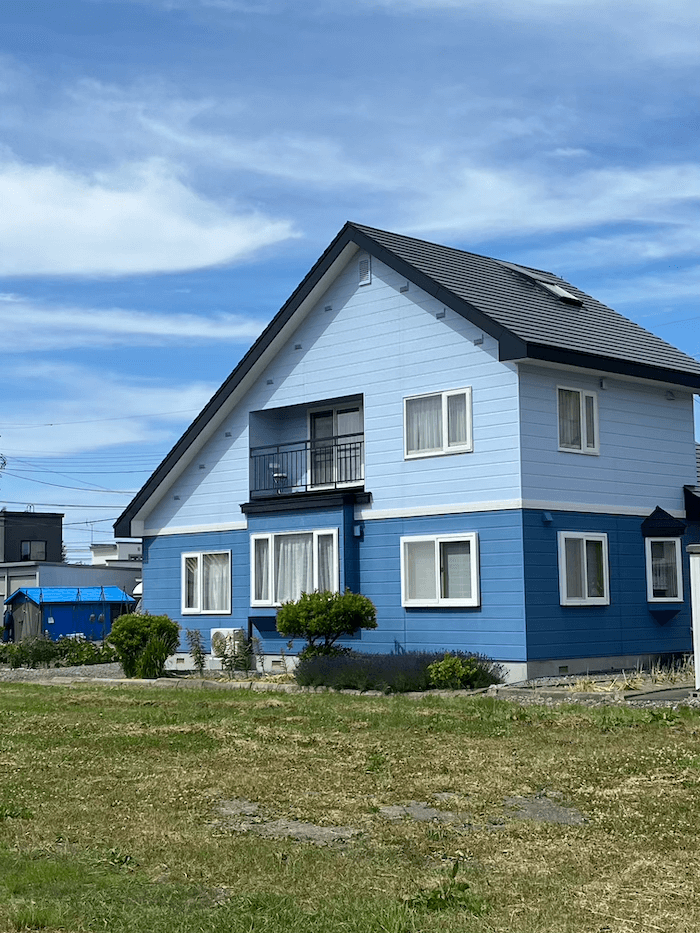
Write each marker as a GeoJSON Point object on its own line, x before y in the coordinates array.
{"type": "Point", "coordinates": [323, 618]}
{"type": "Point", "coordinates": [455, 672]}
{"type": "Point", "coordinates": [395, 673]}
{"type": "Point", "coordinates": [196, 646]}
{"type": "Point", "coordinates": [144, 643]}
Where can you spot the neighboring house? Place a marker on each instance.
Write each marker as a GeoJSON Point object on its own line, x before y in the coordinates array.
{"type": "Point", "coordinates": [31, 545]}
{"type": "Point", "coordinates": [58, 611]}
{"type": "Point", "coordinates": [30, 536]}
{"type": "Point", "coordinates": [116, 554]}
{"type": "Point", "coordinates": [493, 457]}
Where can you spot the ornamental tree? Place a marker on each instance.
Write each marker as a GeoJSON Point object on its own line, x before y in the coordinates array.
{"type": "Point", "coordinates": [322, 618]}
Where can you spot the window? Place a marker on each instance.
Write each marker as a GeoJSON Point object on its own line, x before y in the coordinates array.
{"type": "Point", "coordinates": [440, 570]}
{"type": "Point", "coordinates": [664, 573]}
{"type": "Point", "coordinates": [33, 550]}
{"type": "Point", "coordinates": [583, 569]}
{"type": "Point", "coordinates": [283, 566]}
{"type": "Point", "coordinates": [578, 420]}
{"type": "Point", "coordinates": [440, 423]}
{"type": "Point", "coordinates": [206, 582]}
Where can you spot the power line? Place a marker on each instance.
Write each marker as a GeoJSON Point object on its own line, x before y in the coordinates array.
{"type": "Point", "coordinates": [58, 424]}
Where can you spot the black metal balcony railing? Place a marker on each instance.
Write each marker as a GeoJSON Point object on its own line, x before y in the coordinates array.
{"type": "Point", "coordinates": [303, 466]}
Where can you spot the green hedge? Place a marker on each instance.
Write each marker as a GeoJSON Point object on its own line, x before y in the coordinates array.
{"type": "Point", "coordinates": [399, 673]}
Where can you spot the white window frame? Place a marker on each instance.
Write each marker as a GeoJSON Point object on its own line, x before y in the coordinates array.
{"type": "Point", "coordinates": [583, 394]}
{"type": "Point", "coordinates": [679, 570]}
{"type": "Point", "coordinates": [335, 484]}
{"type": "Point", "coordinates": [445, 449]}
{"type": "Point", "coordinates": [442, 601]}
{"type": "Point", "coordinates": [584, 536]}
{"type": "Point", "coordinates": [270, 538]}
{"type": "Point", "coordinates": [198, 610]}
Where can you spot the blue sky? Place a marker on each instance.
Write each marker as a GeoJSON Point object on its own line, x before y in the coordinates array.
{"type": "Point", "coordinates": [170, 169]}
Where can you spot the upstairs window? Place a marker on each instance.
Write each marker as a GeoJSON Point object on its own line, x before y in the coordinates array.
{"type": "Point", "coordinates": [583, 569]}
{"type": "Point", "coordinates": [283, 566]}
{"type": "Point", "coordinates": [439, 423]}
{"type": "Point", "coordinates": [578, 420]}
{"type": "Point", "coordinates": [33, 550]}
{"type": "Point", "coordinates": [206, 582]}
{"type": "Point", "coordinates": [440, 570]}
{"type": "Point", "coordinates": [664, 570]}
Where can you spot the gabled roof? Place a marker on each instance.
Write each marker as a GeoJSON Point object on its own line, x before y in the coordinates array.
{"type": "Point", "coordinates": [55, 595]}
{"type": "Point", "coordinates": [523, 308]}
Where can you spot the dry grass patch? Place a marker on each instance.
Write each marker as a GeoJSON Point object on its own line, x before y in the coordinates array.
{"type": "Point", "coordinates": [111, 814]}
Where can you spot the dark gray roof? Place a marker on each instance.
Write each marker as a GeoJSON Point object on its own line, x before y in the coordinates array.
{"type": "Point", "coordinates": [507, 301]}
{"type": "Point", "coordinates": [510, 296]}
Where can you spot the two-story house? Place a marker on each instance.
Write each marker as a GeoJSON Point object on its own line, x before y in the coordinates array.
{"type": "Point", "coordinates": [495, 458]}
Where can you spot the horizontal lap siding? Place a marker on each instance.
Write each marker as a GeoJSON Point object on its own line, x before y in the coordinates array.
{"type": "Point", "coordinates": [647, 449]}
{"type": "Point", "coordinates": [384, 345]}
{"type": "Point", "coordinates": [496, 628]}
{"type": "Point", "coordinates": [626, 626]}
{"type": "Point", "coordinates": [162, 579]}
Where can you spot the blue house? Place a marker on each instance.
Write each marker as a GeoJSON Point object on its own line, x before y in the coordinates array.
{"type": "Point", "coordinates": [58, 611]}
{"type": "Point", "coordinates": [499, 461]}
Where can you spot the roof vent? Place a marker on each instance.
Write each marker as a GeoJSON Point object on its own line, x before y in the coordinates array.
{"type": "Point", "coordinates": [365, 271]}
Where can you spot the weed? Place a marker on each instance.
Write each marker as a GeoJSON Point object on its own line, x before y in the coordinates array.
{"type": "Point", "coordinates": [448, 894]}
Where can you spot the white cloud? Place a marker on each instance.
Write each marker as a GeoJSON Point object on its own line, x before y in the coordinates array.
{"type": "Point", "coordinates": [40, 327]}
{"type": "Point", "coordinates": [138, 219]}
{"type": "Point", "coordinates": [482, 202]}
{"type": "Point", "coordinates": [89, 410]}
{"type": "Point", "coordinates": [659, 289]}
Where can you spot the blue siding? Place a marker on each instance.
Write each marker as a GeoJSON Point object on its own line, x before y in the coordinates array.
{"type": "Point", "coordinates": [626, 626]}
{"type": "Point", "coordinates": [496, 628]}
{"type": "Point", "coordinates": [647, 449]}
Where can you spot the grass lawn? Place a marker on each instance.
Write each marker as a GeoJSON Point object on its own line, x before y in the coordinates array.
{"type": "Point", "coordinates": [111, 803]}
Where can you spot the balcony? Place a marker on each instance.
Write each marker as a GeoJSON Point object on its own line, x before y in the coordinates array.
{"type": "Point", "coordinates": [307, 466]}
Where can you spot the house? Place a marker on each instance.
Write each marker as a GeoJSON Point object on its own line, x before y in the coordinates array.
{"type": "Point", "coordinates": [116, 554]}
{"type": "Point", "coordinates": [58, 611]}
{"type": "Point", "coordinates": [496, 459]}
{"type": "Point", "coordinates": [31, 555]}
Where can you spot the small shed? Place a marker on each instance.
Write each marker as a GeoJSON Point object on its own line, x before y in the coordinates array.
{"type": "Point", "coordinates": [58, 611]}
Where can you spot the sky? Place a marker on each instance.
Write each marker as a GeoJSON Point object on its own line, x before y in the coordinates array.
{"type": "Point", "coordinates": [171, 169]}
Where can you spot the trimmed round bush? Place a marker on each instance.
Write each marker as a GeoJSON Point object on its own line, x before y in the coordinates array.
{"type": "Point", "coordinates": [144, 643]}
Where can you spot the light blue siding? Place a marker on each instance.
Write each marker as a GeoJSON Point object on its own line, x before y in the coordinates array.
{"type": "Point", "coordinates": [382, 345]}
{"type": "Point", "coordinates": [647, 450]}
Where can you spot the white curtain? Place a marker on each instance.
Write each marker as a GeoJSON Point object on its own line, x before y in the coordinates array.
{"type": "Point", "coordinates": [419, 561]}
{"type": "Point", "coordinates": [262, 569]}
{"type": "Point", "coordinates": [664, 573]}
{"type": "Point", "coordinates": [326, 577]}
{"type": "Point", "coordinates": [293, 566]}
{"type": "Point", "coordinates": [423, 424]}
{"type": "Point", "coordinates": [455, 563]}
{"type": "Point", "coordinates": [456, 420]}
{"type": "Point", "coordinates": [192, 583]}
{"type": "Point", "coordinates": [216, 582]}
{"type": "Point", "coordinates": [570, 419]}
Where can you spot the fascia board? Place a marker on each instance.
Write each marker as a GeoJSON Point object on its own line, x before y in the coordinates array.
{"type": "Point", "coordinates": [542, 353]}
{"type": "Point", "coordinates": [243, 377]}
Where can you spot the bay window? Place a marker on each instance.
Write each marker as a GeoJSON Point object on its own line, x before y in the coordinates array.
{"type": "Point", "coordinates": [664, 574]}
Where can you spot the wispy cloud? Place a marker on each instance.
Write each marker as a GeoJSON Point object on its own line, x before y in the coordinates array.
{"type": "Point", "coordinates": [55, 327]}
{"type": "Point", "coordinates": [138, 219]}
{"type": "Point", "coordinates": [82, 414]}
